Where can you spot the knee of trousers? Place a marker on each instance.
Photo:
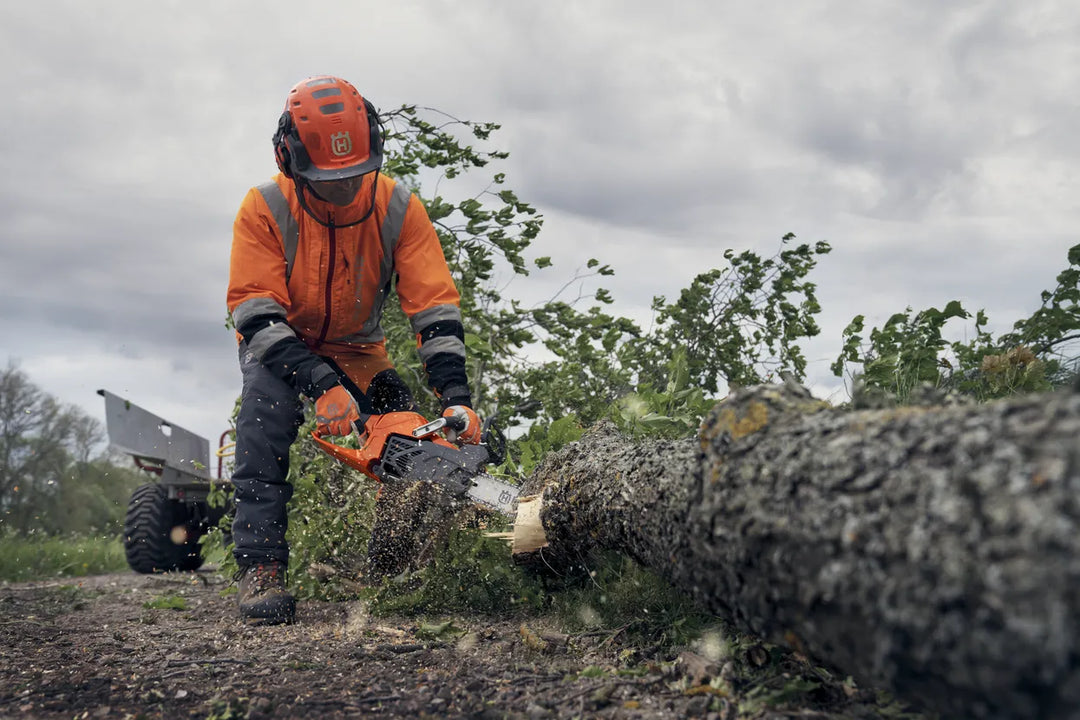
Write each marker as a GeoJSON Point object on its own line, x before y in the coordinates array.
{"type": "Point", "coordinates": [270, 416]}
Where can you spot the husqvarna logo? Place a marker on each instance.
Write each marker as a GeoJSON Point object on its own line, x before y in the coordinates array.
{"type": "Point", "coordinates": [341, 143]}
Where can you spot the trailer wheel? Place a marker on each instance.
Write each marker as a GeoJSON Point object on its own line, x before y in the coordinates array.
{"type": "Point", "coordinates": [159, 534]}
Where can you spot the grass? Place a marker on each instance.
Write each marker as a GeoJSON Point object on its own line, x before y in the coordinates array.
{"type": "Point", "coordinates": [473, 574]}
{"type": "Point", "coordinates": [166, 602]}
{"type": "Point", "coordinates": [35, 558]}
{"type": "Point", "coordinates": [621, 595]}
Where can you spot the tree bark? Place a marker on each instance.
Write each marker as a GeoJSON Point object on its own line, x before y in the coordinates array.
{"type": "Point", "coordinates": [932, 551]}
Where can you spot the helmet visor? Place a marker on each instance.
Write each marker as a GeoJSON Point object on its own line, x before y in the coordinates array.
{"type": "Point", "coordinates": [338, 192]}
{"type": "Point", "coordinates": [341, 203]}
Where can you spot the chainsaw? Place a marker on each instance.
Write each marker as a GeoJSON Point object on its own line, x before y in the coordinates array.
{"type": "Point", "coordinates": [404, 446]}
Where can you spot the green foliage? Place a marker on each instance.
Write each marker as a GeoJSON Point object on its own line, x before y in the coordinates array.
{"type": "Point", "coordinates": [32, 557]}
{"type": "Point", "coordinates": [909, 351]}
{"type": "Point", "coordinates": [330, 517]}
{"type": "Point", "coordinates": [621, 595]}
{"type": "Point", "coordinates": [167, 602]}
{"type": "Point", "coordinates": [219, 708]}
{"type": "Point", "coordinates": [445, 630]}
{"type": "Point", "coordinates": [778, 693]}
{"type": "Point", "coordinates": [677, 411]}
{"type": "Point", "coordinates": [1011, 372]}
{"type": "Point", "coordinates": [474, 574]}
{"type": "Point", "coordinates": [1057, 321]}
{"type": "Point", "coordinates": [904, 353]}
{"type": "Point", "coordinates": [741, 323]}
{"type": "Point", "coordinates": [542, 439]}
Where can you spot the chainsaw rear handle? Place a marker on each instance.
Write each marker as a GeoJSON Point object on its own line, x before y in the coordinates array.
{"type": "Point", "coordinates": [490, 436]}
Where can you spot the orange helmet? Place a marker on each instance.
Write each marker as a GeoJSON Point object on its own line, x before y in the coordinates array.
{"type": "Point", "coordinates": [327, 132]}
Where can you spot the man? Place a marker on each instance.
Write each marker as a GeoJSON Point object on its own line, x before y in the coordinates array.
{"type": "Point", "coordinates": [313, 257]}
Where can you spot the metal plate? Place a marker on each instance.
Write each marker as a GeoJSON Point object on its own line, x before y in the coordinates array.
{"type": "Point", "coordinates": [144, 435]}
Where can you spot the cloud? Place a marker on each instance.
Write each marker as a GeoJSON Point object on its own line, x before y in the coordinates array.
{"type": "Point", "coordinates": [934, 146]}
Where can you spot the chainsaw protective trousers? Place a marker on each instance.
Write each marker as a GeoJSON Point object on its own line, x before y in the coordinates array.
{"type": "Point", "coordinates": [269, 418]}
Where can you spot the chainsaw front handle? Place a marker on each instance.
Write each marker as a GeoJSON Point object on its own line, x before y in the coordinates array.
{"type": "Point", "coordinates": [429, 429]}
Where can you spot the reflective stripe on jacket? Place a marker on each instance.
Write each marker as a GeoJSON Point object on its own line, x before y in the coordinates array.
{"type": "Point", "coordinates": [328, 285]}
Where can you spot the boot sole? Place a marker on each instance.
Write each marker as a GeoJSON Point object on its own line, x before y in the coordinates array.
{"type": "Point", "coordinates": [280, 612]}
{"type": "Point", "coordinates": [264, 621]}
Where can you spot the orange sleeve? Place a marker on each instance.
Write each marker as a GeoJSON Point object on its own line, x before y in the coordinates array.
{"type": "Point", "coordinates": [424, 280]}
{"type": "Point", "coordinates": [257, 264]}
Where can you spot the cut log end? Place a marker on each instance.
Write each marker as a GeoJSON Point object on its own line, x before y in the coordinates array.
{"type": "Point", "coordinates": [529, 536]}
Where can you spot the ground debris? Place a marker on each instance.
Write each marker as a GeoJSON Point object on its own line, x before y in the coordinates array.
{"type": "Point", "coordinates": [62, 656]}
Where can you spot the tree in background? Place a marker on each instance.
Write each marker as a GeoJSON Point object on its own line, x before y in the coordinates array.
{"type": "Point", "coordinates": [911, 351]}
{"type": "Point", "coordinates": [52, 477]}
{"type": "Point", "coordinates": [569, 355]}
{"type": "Point", "coordinates": [740, 324]}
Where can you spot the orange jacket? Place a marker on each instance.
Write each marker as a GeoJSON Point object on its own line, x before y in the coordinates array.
{"type": "Point", "coordinates": [294, 278]}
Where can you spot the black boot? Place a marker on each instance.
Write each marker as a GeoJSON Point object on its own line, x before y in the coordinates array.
{"type": "Point", "coordinates": [262, 597]}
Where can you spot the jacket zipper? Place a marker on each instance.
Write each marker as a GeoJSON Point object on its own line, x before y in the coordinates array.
{"type": "Point", "coordinates": [328, 298]}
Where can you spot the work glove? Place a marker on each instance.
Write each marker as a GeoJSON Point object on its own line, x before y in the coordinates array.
{"type": "Point", "coordinates": [468, 435]}
{"type": "Point", "coordinates": [336, 412]}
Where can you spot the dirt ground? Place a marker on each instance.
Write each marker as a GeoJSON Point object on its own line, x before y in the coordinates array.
{"type": "Point", "coordinates": [97, 648]}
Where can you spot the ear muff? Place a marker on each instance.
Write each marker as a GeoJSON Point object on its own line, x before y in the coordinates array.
{"type": "Point", "coordinates": [281, 145]}
{"type": "Point", "coordinates": [289, 150]}
{"type": "Point", "coordinates": [374, 128]}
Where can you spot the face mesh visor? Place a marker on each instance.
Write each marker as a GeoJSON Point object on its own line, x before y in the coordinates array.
{"type": "Point", "coordinates": [326, 210]}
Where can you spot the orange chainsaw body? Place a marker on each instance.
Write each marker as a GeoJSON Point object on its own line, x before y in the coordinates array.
{"type": "Point", "coordinates": [402, 446]}
{"type": "Point", "coordinates": [378, 429]}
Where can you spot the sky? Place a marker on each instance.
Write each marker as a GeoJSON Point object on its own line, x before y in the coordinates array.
{"type": "Point", "coordinates": [933, 144]}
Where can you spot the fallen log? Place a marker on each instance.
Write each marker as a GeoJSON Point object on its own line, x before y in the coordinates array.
{"type": "Point", "coordinates": [932, 551]}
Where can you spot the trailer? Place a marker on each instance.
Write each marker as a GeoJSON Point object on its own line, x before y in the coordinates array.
{"type": "Point", "coordinates": [168, 516]}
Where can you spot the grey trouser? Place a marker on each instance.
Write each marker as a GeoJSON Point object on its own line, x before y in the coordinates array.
{"type": "Point", "coordinates": [270, 416]}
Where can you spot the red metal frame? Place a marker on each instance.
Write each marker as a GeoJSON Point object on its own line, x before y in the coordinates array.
{"type": "Point", "coordinates": [220, 457]}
